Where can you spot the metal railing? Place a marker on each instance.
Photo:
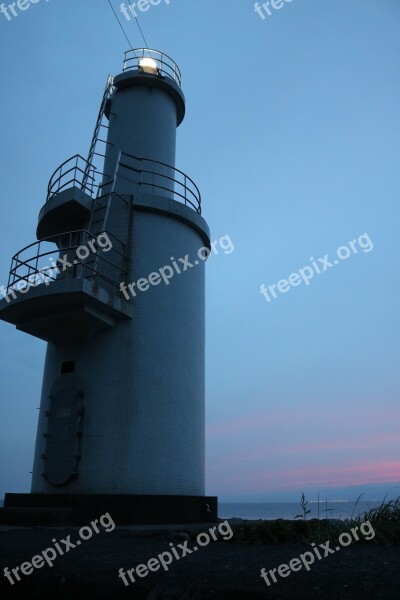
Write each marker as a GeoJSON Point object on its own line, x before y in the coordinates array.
{"type": "Point", "coordinates": [75, 171]}
{"type": "Point", "coordinates": [143, 172]}
{"type": "Point", "coordinates": [41, 263]}
{"type": "Point", "coordinates": [164, 64]}
{"type": "Point", "coordinates": [160, 176]}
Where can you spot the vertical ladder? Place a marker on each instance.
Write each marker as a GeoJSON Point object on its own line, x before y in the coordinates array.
{"type": "Point", "coordinates": [99, 215]}
{"type": "Point", "coordinates": [96, 134]}
{"type": "Point", "coordinates": [98, 224]}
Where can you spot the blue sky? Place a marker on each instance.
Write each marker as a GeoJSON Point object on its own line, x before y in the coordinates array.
{"type": "Point", "coordinates": [292, 133]}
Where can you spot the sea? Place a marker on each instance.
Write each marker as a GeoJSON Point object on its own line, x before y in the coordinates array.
{"type": "Point", "coordinates": [289, 510]}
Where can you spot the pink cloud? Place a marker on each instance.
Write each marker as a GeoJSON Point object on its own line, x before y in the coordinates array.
{"type": "Point", "coordinates": [356, 473]}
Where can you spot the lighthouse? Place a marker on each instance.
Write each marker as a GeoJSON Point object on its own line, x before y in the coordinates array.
{"type": "Point", "coordinates": [115, 284]}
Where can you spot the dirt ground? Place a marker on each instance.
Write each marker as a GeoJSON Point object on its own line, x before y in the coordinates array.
{"type": "Point", "coordinates": [222, 569]}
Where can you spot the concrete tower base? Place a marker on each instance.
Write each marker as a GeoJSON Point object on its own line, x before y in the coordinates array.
{"type": "Point", "coordinates": [80, 509]}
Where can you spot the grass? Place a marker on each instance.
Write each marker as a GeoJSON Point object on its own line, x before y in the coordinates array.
{"type": "Point", "coordinates": [384, 519]}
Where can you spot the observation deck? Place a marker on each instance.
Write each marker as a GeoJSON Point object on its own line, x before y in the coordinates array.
{"type": "Point", "coordinates": [63, 290]}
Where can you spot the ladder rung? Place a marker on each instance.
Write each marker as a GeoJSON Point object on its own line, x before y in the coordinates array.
{"type": "Point", "coordinates": [106, 95]}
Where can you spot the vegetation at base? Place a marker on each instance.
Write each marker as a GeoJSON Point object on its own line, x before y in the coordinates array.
{"type": "Point", "coordinates": [384, 519]}
{"type": "Point", "coordinates": [304, 508]}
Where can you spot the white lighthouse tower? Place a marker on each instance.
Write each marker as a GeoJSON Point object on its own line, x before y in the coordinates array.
{"type": "Point", "coordinates": [108, 286]}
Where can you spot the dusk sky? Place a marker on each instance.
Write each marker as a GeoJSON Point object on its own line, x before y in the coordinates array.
{"type": "Point", "coordinates": [292, 133]}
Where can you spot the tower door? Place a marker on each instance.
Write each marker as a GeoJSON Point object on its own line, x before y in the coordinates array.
{"type": "Point", "coordinates": [63, 437]}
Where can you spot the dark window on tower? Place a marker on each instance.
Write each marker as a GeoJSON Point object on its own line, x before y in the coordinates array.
{"type": "Point", "coordinates": [67, 367]}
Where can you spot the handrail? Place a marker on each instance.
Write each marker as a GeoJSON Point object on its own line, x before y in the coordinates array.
{"type": "Point", "coordinates": [189, 191]}
{"type": "Point", "coordinates": [165, 66]}
{"type": "Point", "coordinates": [23, 268]}
{"type": "Point", "coordinates": [75, 171]}
{"type": "Point", "coordinates": [80, 170]}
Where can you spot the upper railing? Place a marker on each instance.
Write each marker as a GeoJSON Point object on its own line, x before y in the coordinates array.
{"type": "Point", "coordinates": [160, 176]}
{"type": "Point", "coordinates": [153, 62]}
{"type": "Point", "coordinates": [75, 171]}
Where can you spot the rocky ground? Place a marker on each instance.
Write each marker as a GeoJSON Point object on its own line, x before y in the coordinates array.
{"type": "Point", "coordinates": [221, 570]}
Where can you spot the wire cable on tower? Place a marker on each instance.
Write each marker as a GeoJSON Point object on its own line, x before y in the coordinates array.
{"type": "Point", "coordinates": [123, 30]}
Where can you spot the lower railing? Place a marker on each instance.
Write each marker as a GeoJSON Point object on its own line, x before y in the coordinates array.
{"type": "Point", "coordinates": [73, 255]}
